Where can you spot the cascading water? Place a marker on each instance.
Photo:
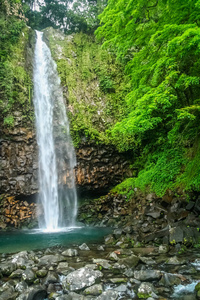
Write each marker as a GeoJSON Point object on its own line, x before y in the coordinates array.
{"type": "Point", "coordinates": [57, 195]}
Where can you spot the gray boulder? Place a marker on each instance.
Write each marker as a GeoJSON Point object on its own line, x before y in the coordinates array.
{"type": "Point", "coordinates": [70, 252]}
{"type": "Point", "coordinates": [28, 275]}
{"type": "Point", "coordinates": [108, 295]}
{"type": "Point", "coordinates": [33, 293]}
{"type": "Point", "coordinates": [94, 290]}
{"type": "Point", "coordinates": [51, 260]}
{"type": "Point", "coordinates": [81, 278]}
{"type": "Point", "coordinates": [146, 290]}
{"type": "Point", "coordinates": [8, 267]}
{"type": "Point", "coordinates": [148, 275]}
{"type": "Point", "coordinates": [84, 247]}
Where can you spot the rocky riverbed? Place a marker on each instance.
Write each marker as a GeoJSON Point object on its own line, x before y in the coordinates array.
{"type": "Point", "coordinates": [100, 271]}
{"type": "Point", "coordinates": [152, 253]}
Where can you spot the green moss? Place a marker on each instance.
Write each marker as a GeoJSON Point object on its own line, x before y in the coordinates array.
{"type": "Point", "coordinates": [94, 85]}
{"type": "Point", "coordinates": [125, 188]}
{"type": "Point", "coordinates": [16, 85]}
{"type": "Point", "coordinates": [143, 295]}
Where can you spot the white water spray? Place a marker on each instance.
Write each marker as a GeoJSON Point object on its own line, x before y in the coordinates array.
{"type": "Point", "coordinates": [56, 153]}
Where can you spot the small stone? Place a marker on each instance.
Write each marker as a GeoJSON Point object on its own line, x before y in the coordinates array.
{"type": "Point", "coordinates": [84, 247]}
{"type": "Point", "coordinates": [63, 268]}
{"type": "Point", "coordinates": [117, 233]}
{"type": "Point", "coordinates": [144, 275]}
{"type": "Point", "coordinates": [102, 262]}
{"type": "Point", "coordinates": [109, 239]}
{"type": "Point", "coordinates": [70, 252]}
{"type": "Point", "coordinates": [21, 286]}
{"type": "Point", "coordinates": [169, 280]}
{"type": "Point", "coordinates": [81, 278]}
{"type": "Point", "coordinates": [28, 275]}
{"type": "Point", "coordinates": [163, 249]}
{"type": "Point", "coordinates": [130, 261]}
{"type": "Point", "coordinates": [108, 295]}
{"type": "Point", "coordinates": [118, 280]}
{"type": "Point", "coordinates": [41, 273]}
{"type": "Point", "coordinates": [16, 274]}
{"type": "Point", "coordinates": [113, 256]}
{"type": "Point", "coordinates": [100, 248]}
{"type": "Point", "coordinates": [147, 260]}
{"type": "Point", "coordinates": [94, 290]}
{"type": "Point", "coordinates": [146, 290]}
{"type": "Point", "coordinates": [52, 277]}
{"type": "Point", "coordinates": [175, 261]}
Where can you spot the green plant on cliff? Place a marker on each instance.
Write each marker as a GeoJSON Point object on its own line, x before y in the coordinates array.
{"type": "Point", "coordinates": [158, 44]}
{"type": "Point", "coordinates": [94, 85]}
{"type": "Point", "coordinates": [15, 83]}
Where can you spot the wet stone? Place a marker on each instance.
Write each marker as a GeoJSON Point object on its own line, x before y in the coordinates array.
{"type": "Point", "coordinates": [50, 259]}
{"type": "Point", "coordinates": [7, 268]}
{"type": "Point", "coordinates": [147, 260]}
{"type": "Point", "coordinates": [148, 275]}
{"type": "Point", "coordinates": [130, 261]}
{"type": "Point", "coordinates": [16, 274]}
{"type": "Point", "coordinates": [103, 263]}
{"type": "Point", "coordinates": [81, 278]}
{"type": "Point", "coordinates": [21, 286]}
{"type": "Point", "coordinates": [41, 273]}
{"type": "Point", "coordinates": [63, 268]}
{"type": "Point", "coordinates": [146, 290]}
{"type": "Point", "coordinates": [33, 293]}
{"type": "Point", "coordinates": [70, 252]}
{"type": "Point", "coordinates": [163, 249]}
{"type": "Point", "coordinates": [94, 290]}
{"type": "Point", "coordinates": [175, 261]}
{"type": "Point", "coordinates": [108, 295]}
{"type": "Point", "coordinates": [169, 280]}
{"type": "Point", "coordinates": [28, 275]}
{"type": "Point", "coordinates": [84, 247]}
{"type": "Point", "coordinates": [113, 256]}
{"type": "Point", "coordinates": [109, 239]}
{"type": "Point", "coordinates": [52, 277]}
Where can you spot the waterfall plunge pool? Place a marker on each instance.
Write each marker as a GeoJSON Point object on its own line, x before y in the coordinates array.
{"type": "Point", "coordinates": [20, 240]}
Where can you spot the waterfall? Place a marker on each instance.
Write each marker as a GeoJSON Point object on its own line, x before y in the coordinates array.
{"type": "Point", "coordinates": [57, 195]}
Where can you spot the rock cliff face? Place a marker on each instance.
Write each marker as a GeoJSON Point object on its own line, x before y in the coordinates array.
{"type": "Point", "coordinates": [98, 166]}
{"type": "Point", "coordinates": [18, 160]}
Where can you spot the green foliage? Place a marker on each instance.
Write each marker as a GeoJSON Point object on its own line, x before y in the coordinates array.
{"type": "Point", "coordinates": [125, 188]}
{"type": "Point", "coordinates": [15, 83]}
{"type": "Point", "coordinates": [161, 169]}
{"type": "Point", "coordinates": [71, 16]}
{"type": "Point", "coordinates": [8, 121]}
{"type": "Point", "coordinates": [158, 44]}
{"type": "Point", "coordinates": [89, 76]}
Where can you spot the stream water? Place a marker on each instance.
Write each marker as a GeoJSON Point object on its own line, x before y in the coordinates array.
{"type": "Point", "coordinates": [14, 241]}
{"type": "Point", "coordinates": [56, 152]}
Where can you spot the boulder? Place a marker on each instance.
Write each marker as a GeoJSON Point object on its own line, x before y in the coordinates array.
{"type": "Point", "coordinates": [63, 268]}
{"type": "Point", "coordinates": [81, 278]}
{"type": "Point", "coordinates": [147, 275]}
{"type": "Point", "coordinates": [33, 293]}
{"type": "Point", "coordinates": [70, 252]}
{"type": "Point", "coordinates": [104, 263]}
{"type": "Point", "coordinates": [108, 295]}
{"type": "Point", "coordinates": [47, 260]}
{"type": "Point", "coordinates": [146, 290]}
{"type": "Point", "coordinates": [28, 276]}
{"type": "Point", "coordinates": [94, 290]}
{"type": "Point", "coordinates": [8, 267]}
{"type": "Point", "coordinates": [130, 261]}
{"type": "Point", "coordinates": [84, 247]}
